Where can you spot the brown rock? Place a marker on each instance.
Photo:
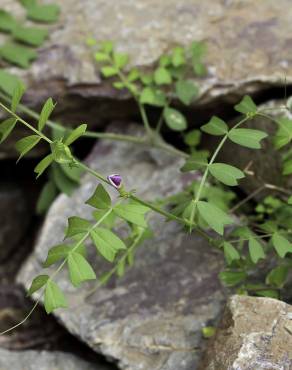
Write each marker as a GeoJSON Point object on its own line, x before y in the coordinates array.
{"type": "Point", "coordinates": [254, 334]}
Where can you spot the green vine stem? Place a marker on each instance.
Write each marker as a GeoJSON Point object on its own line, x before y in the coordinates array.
{"type": "Point", "coordinates": [158, 143]}
{"type": "Point", "coordinates": [206, 172]}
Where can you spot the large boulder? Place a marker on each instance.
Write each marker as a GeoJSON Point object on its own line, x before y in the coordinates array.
{"type": "Point", "coordinates": [43, 360]}
{"type": "Point", "coordinates": [151, 319]}
{"type": "Point", "coordinates": [248, 44]}
{"type": "Point", "coordinates": [255, 333]}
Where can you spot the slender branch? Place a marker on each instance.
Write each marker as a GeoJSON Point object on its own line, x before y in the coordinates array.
{"type": "Point", "coordinates": [22, 321]}
{"type": "Point", "coordinates": [25, 123]}
{"type": "Point", "coordinates": [205, 175]}
{"type": "Point", "coordinates": [160, 144]}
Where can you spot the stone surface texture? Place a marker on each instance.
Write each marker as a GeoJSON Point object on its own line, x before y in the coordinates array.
{"type": "Point", "coordinates": [43, 360]}
{"type": "Point", "coordinates": [254, 334]}
{"type": "Point", "coordinates": [248, 41]}
{"type": "Point", "coordinates": [151, 319]}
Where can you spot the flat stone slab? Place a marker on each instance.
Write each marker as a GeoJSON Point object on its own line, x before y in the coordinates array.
{"type": "Point", "coordinates": [255, 333]}
{"type": "Point", "coordinates": [249, 43]}
{"type": "Point", "coordinates": [151, 319]}
{"type": "Point", "coordinates": [43, 360]}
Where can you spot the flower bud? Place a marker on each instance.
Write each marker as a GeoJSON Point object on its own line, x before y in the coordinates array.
{"type": "Point", "coordinates": [115, 180]}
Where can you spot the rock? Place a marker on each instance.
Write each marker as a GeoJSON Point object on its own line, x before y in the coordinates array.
{"type": "Point", "coordinates": [15, 216]}
{"type": "Point", "coordinates": [43, 360]}
{"type": "Point", "coordinates": [255, 333]}
{"type": "Point", "coordinates": [248, 45]}
{"type": "Point", "coordinates": [151, 319]}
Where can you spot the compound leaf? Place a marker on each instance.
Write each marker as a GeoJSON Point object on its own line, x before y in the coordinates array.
{"type": "Point", "coordinates": [26, 144]}
{"type": "Point", "coordinates": [246, 106]}
{"type": "Point", "coordinates": [6, 128]}
{"type": "Point", "coordinates": [256, 251]}
{"type": "Point", "coordinates": [79, 269]}
{"type": "Point", "coordinates": [247, 137]}
{"type": "Point", "coordinates": [75, 134]}
{"type": "Point", "coordinates": [214, 216]}
{"type": "Point", "coordinates": [54, 297]}
{"type": "Point", "coordinates": [56, 254]}
{"type": "Point", "coordinates": [45, 113]}
{"type": "Point", "coordinates": [225, 173]}
{"type": "Point", "coordinates": [21, 56]}
{"type": "Point", "coordinates": [37, 284]}
{"type": "Point", "coordinates": [100, 199]}
{"type": "Point", "coordinates": [174, 119]}
{"type": "Point", "coordinates": [215, 126]}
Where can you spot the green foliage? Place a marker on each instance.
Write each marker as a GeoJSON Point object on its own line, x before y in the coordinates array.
{"type": "Point", "coordinates": [45, 113]}
{"type": "Point", "coordinates": [21, 56]}
{"type": "Point", "coordinates": [30, 35]}
{"type": "Point", "coordinates": [195, 162]}
{"type": "Point", "coordinates": [214, 216]}
{"type": "Point", "coordinates": [206, 205]}
{"type": "Point", "coordinates": [152, 96]}
{"type": "Point", "coordinates": [17, 95]}
{"type": "Point", "coordinates": [186, 91]}
{"type": "Point", "coordinates": [54, 297]}
{"type": "Point", "coordinates": [281, 245]}
{"type": "Point", "coordinates": [75, 134]}
{"type": "Point", "coordinates": [9, 82]}
{"type": "Point", "coordinates": [43, 165]}
{"type": "Point", "coordinates": [174, 119]}
{"type": "Point", "coordinates": [43, 13]}
{"type": "Point", "coordinates": [57, 253]}
{"type": "Point", "coordinates": [46, 197]}
{"type": "Point", "coordinates": [247, 137]}
{"type": "Point", "coordinates": [256, 251]}
{"type": "Point", "coordinates": [79, 269]}
{"type": "Point", "coordinates": [284, 132]}
{"type": "Point", "coordinates": [26, 144]}
{"type": "Point", "coordinates": [100, 199]}
{"type": "Point", "coordinates": [77, 225]}
{"type": "Point", "coordinates": [215, 127]}
{"type": "Point", "coordinates": [6, 128]}
{"type": "Point", "coordinates": [107, 243]}
{"type": "Point", "coordinates": [38, 283]}
{"type": "Point", "coordinates": [225, 173]}
{"type": "Point", "coordinates": [7, 21]}
{"type": "Point", "coordinates": [246, 106]}
{"type": "Point", "coordinates": [230, 253]}
{"type": "Point", "coordinates": [162, 76]}
{"type": "Point", "coordinates": [133, 213]}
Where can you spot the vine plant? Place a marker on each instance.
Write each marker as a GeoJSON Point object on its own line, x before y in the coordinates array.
{"type": "Point", "coordinates": [202, 208]}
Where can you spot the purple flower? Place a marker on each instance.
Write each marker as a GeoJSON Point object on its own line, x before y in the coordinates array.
{"type": "Point", "coordinates": [115, 180]}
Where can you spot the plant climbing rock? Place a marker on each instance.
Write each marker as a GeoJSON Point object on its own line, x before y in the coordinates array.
{"type": "Point", "coordinates": [151, 318]}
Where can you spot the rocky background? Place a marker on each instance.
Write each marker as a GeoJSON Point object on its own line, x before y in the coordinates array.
{"type": "Point", "coordinates": [152, 318]}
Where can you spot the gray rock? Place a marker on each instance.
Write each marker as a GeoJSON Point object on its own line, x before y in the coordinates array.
{"type": "Point", "coordinates": [255, 333]}
{"type": "Point", "coordinates": [248, 44]}
{"type": "Point", "coordinates": [151, 319]}
{"type": "Point", "coordinates": [43, 360]}
{"type": "Point", "coordinates": [15, 216]}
